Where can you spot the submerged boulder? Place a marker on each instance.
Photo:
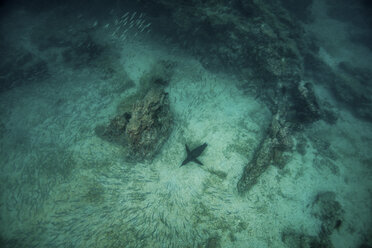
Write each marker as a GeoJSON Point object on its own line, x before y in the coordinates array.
{"type": "Point", "coordinates": [115, 131]}
{"type": "Point", "coordinates": [144, 121]}
{"type": "Point", "coordinates": [149, 125]}
{"type": "Point", "coordinates": [271, 149]}
{"type": "Point", "coordinates": [304, 104]}
{"type": "Point", "coordinates": [143, 129]}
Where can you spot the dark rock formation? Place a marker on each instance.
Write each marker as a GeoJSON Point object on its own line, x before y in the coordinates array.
{"type": "Point", "coordinates": [259, 35]}
{"type": "Point", "coordinates": [263, 43]}
{"type": "Point", "coordinates": [149, 125]}
{"type": "Point", "coordinates": [304, 106]}
{"type": "Point", "coordinates": [293, 110]}
{"type": "Point", "coordinates": [270, 150]}
{"type": "Point", "coordinates": [329, 211]}
{"type": "Point", "coordinates": [115, 131]}
{"type": "Point", "coordinates": [143, 129]}
{"type": "Point", "coordinates": [144, 121]}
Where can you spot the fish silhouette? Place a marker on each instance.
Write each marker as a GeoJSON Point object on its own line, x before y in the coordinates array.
{"type": "Point", "coordinates": [193, 154]}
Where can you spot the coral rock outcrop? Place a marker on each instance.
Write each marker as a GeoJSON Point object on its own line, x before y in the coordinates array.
{"type": "Point", "coordinates": [149, 125]}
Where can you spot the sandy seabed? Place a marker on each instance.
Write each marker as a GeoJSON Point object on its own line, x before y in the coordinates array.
{"type": "Point", "coordinates": [62, 186]}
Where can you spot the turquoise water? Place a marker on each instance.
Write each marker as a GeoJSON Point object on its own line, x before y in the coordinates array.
{"type": "Point", "coordinates": [64, 186]}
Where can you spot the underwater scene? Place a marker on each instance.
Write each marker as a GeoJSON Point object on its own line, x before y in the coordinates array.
{"type": "Point", "coordinates": [186, 123]}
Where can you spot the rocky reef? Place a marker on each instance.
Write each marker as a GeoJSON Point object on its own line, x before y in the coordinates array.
{"type": "Point", "coordinates": [144, 120]}
{"type": "Point", "coordinates": [259, 37]}
{"type": "Point", "coordinates": [271, 149]}
{"type": "Point", "coordinates": [264, 44]}
{"type": "Point", "coordinates": [149, 126]}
